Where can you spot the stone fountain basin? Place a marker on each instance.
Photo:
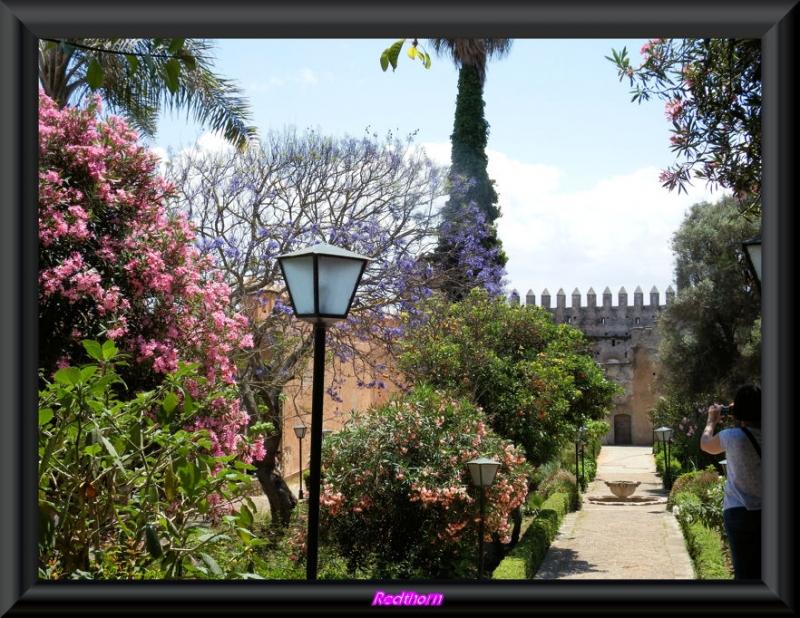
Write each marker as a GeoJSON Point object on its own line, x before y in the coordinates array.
{"type": "Point", "coordinates": [622, 489]}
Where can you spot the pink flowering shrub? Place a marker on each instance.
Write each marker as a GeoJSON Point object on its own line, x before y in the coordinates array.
{"type": "Point", "coordinates": [116, 264]}
{"type": "Point", "coordinates": [397, 498]}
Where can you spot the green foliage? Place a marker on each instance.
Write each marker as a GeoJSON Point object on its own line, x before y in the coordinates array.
{"type": "Point", "coordinates": [697, 499]}
{"type": "Point", "coordinates": [391, 54]}
{"type": "Point", "coordinates": [711, 333]}
{"type": "Point", "coordinates": [469, 140]}
{"type": "Point", "coordinates": [470, 185]}
{"type": "Point", "coordinates": [705, 551]}
{"type": "Point", "coordinates": [563, 482]}
{"type": "Point", "coordinates": [675, 466]}
{"type": "Point", "coordinates": [398, 501]}
{"type": "Point", "coordinates": [125, 485]}
{"type": "Point", "coordinates": [710, 340]}
{"type": "Point", "coordinates": [712, 89]}
{"type": "Point", "coordinates": [535, 380]}
{"type": "Point", "coordinates": [523, 561]}
{"type": "Point", "coordinates": [141, 77]}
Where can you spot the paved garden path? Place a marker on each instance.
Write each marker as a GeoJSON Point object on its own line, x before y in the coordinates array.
{"type": "Point", "coordinates": [614, 539]}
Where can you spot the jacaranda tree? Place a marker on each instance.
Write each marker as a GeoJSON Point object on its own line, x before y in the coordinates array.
{"type": "Point", "coordinates": [379, 197]}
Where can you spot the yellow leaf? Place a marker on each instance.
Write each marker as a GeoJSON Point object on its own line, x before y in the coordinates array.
{"type": "Point", "coordinates": [412, 52]}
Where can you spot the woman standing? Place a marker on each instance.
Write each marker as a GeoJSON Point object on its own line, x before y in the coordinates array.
{"type": "Point", "coordinates": [742, 501]}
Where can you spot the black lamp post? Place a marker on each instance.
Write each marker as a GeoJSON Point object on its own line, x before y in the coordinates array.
{"type": "Point", "coordinates": [300, 432]}
{"type": "Point", "coordinates": [665, 435]}
{"type": "Point", "coordinates": [583, 431]}
{"type": "Point", "coordinates": [321, 281]}
{"type": "Point", "coordinates": [752, 249]}
{"type": "Point", "coordinates": [482, 471]}
{"type": "Point", "coordinates": [580, 432]}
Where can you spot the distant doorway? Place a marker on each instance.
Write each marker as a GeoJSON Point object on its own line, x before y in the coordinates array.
{"type": "Point", "coordinates": [622, 429]}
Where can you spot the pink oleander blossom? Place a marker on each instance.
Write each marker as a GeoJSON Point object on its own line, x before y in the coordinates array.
{"type": "Point", "coordinates": [115, 262]}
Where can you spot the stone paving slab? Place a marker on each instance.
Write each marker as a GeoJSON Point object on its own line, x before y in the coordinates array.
{"type": "Point", "coordinates": [620, 540]}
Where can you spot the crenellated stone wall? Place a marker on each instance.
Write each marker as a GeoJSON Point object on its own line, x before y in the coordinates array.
{"type": "Point", "coordinates": [625, 343]}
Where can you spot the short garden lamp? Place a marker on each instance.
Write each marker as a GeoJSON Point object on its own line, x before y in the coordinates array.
{"type": "Point", "coordinates": [752, 249]}
{"type": "Point", "coordinates": [578, 438]}
{"type": "Point", "coordinates": [300, 432]}
{"type": "Point", "coordinates": [482, 471]}
{"type": "Point", "coordinates": [326, 432]}
{"type": "Point", "coordinates": [584, 433]}
{"type": "Point", "coordinates": [664, 434]}
{"type": "Point", "coordinates": [322, 282]}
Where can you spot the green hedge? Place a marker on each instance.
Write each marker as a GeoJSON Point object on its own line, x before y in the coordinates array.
{"type": "Point", "coordinates": [523, 561]}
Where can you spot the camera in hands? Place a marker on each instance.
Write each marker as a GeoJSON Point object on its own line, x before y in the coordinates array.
{"type": "Point", "coordinates": [726, 410]}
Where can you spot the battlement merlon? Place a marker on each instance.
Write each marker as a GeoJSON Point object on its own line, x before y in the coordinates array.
{"type": "Point", "coordinates": [591, 298]}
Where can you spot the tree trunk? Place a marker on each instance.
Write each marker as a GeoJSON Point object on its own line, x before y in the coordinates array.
{"type": "Point", "coordinates": [281, 499]}
{"type": "Point", "coordinates": [267, 393]}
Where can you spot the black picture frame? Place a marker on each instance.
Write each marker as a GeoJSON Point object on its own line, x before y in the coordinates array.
{"type": "Point", "coordinates": [23, 21]}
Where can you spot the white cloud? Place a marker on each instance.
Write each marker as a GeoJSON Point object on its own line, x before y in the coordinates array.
{"type": "Point", "coordinates": [307, 76]}
{"type": "Point", "coordinates": [265, 85]}
{"type": "Point", "coordinates": [617, 234]}
{"type": "Point", "coordinates": [303, 76]}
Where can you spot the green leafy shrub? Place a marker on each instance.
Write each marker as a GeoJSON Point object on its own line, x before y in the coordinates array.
{"type": "Point", "coordinates": [697, 499]}
{"type": "Point", "coordinates": [675, 466]}
{"type": "Point", "coordinates": [535, 379]}
{"type": "Point", "coordinates": [397, 498]}
{"type": "Point", "coordinates": [524, 560]}
{"type": "Point", "coordinates": [705, 551]}
{"type": "Point", "coordinates": [124, 485]}
{"type": "Point", "coordinates": [562, 482]}
{"type": "Point", "coordinates": [696, 482]}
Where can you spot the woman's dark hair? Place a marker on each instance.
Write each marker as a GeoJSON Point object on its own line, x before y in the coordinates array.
{"type": "Point", "coordinates": [747, 404]}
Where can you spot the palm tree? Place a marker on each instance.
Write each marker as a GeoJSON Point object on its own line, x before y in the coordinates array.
{"type": "Point", "coordinates": [472, 52]}
{"type": "Point", "coordinates": [469, 139]}
{"type": "Point", "coordinates": [139, 77]}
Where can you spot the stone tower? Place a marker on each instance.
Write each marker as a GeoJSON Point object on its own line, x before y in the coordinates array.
{"type": "Point", "coordinates": [625, 344]}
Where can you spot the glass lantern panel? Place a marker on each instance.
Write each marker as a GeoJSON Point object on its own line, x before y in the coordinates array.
{"type": "Point", "coordinates": [299, 273]}
{"type": "Point", "coordinates": [338, 278]}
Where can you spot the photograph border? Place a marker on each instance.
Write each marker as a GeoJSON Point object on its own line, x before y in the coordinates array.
{"type": "Point", "coordinates": [22, 22]}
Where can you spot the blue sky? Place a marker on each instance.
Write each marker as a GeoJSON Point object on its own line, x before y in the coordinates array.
{"type": "Point", "coordinates": [576, 163]}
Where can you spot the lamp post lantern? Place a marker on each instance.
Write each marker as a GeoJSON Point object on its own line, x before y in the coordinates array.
{"type": "Point", "coordinates": [482, 471]}
{"type": "Point", "coordinates": [322, 282]}
{"type": "Point", "coordinates": [326, 432]}
{"type": "Point", "coordinates": [664, 435]}
{"type": "Point", "coordinates": [752, 250]}
{"type": "Point", "coordinates": [300, 432]}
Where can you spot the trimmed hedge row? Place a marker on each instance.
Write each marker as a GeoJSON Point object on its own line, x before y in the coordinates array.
{"type": "Point", "coordinates": [523, 561]}
{"type": "Point", "coordinates": [704, 549]}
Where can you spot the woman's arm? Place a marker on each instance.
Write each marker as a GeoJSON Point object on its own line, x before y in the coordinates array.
{"type": "Point", "coordinates": [709, 442]}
